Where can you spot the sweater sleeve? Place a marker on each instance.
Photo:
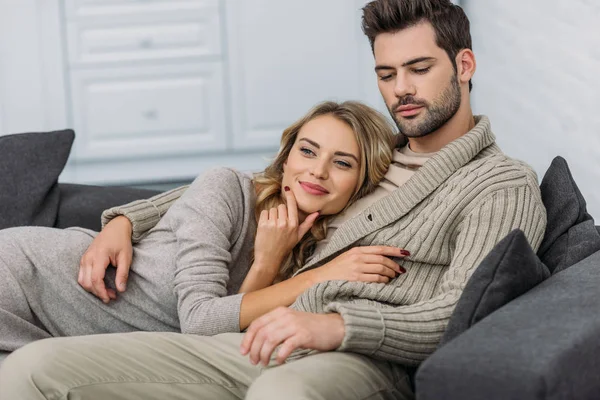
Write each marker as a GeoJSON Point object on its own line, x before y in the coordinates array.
{"type": "Point", "coordinates": [206, 221]}
{"type": "Point", "coordinates": [144, 214]}
{"type": "Point", "coordinates": [407, 334]}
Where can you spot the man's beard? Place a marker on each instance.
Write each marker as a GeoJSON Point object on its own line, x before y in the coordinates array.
{"type": "Point", "coordinates": [436, 115]}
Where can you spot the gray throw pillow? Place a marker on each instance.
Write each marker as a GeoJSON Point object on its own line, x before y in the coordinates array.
{"type": "Point", "coordinates": [571, 234]}
{"type": "Point", "coordinates": [508, 271]}
{"type": "Point", "coordinates": [30, 164]}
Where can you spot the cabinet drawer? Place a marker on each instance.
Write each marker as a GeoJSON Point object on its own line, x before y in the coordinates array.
{"type": "Point", "coordinates": [148, 111]}
{"type": "Point", "coordinates": [126, 8]}
{"type": "Point", "coordinates": [91, 43]}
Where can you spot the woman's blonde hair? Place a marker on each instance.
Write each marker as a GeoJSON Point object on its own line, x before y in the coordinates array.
{"type": "Point", "coordinates": [376, 139]}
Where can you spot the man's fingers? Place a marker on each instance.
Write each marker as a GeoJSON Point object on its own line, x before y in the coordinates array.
{"type": "Point", "coordinates": [291, 344]}
{"type": "Point", "coordinates": [123, 265]}
{"type": "Point", "coordinates": [292, 206]}
{"type": "Point", "coordinates": [255, 326]}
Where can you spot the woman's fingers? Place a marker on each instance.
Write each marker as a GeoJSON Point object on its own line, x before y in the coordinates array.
{"type": "Point", "coordinates": [123, 266]}
{"type": "Point", "coordinates": [273, 214]}
{"type": "Point", "coordinates": [282, 216]}
{"type": "Point", "coordinates": [376, 264]}
{"type": "Point", "coordinates": [99, 288]}
{"type": "Point", "coordinates": [307, 224]}
{"type": "Point", "coordinates": [292, 205]}
{"type": "Point", "coordinates": [383, 250]}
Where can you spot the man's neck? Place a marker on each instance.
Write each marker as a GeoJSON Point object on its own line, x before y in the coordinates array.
{"type": "Point", "coordinates": [461, 123]}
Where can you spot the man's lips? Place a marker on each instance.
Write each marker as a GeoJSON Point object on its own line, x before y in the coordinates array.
{"type": "Point", "coordinates": [314, 189]}
{"type": "Point", "coordinates": [408, 110]}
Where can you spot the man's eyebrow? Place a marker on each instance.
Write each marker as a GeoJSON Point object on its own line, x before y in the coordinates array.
{"type": "Point", "coordinates": [406, 64]}
{"type": "Point", "coordinates": [337, 153]}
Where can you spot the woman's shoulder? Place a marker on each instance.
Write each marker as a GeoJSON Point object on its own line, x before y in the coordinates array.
{"type": "Point", "coordinates": [224, 182]}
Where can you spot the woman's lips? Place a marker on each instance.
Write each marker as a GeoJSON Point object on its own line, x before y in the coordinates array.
{"type": "Point", "coordinates": [313, 189]}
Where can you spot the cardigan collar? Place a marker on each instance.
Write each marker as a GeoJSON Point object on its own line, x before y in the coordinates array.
{"type": "Point", "coordinates": [397, 204]}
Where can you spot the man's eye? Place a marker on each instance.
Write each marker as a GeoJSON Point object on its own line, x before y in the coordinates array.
{"type": "Point", "coordinates": [421, 71]}
{"type": "Point", "coordinates": [385, 78]}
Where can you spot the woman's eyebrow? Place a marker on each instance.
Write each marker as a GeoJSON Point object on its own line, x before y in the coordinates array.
{"type": "Point", "coordinates": [337, 153]}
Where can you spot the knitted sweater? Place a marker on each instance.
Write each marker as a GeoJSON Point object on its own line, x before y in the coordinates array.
{"type": "Point", "coordinates": [449, 215]}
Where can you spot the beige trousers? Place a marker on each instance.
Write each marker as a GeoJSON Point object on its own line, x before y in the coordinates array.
{"type": "Point", "coordinates": [161, 366]}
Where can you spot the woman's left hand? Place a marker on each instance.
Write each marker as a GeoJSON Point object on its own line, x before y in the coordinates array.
{"type": "Point", "coordinates": [292, 330]}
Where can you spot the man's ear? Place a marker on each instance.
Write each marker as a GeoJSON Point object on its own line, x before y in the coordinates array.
{"type": "Point", "coordinates": [466, 65]}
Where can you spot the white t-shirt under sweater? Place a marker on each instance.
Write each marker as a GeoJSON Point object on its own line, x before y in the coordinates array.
{"type": "Point", "coordinates": [404, 164]}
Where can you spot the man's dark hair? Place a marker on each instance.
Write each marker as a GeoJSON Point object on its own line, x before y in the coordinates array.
{"type": "Point", "coordinates": [449, 21]}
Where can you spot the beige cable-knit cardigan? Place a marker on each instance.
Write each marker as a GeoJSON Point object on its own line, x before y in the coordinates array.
{"type": "Point", "coordinates": [449, 215]}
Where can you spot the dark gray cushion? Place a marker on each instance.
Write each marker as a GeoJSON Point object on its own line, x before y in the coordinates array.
{"type": "Point", "coordinates": [30, 164]}
{"type": "Point", "coordinates": [82, 205]}
{"type": "Point", "coordinates": [508, 271]}
{"type": "Point", "coordinates": [570, 234]}
{"type": "Point", "coordinates": [543, 345]}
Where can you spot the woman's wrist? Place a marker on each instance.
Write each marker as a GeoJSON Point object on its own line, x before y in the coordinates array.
{"type": "Point", "coordinates": [124, 223]}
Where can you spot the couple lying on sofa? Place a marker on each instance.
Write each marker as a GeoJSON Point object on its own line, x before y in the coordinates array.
{"type": "Point", "coordinates": [342, 261]}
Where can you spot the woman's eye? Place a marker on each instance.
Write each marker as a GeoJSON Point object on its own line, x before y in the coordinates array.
{"type": "Point", "coordinates": [344, 164]}
{"type": "Point", "coordinates": [307, 152]}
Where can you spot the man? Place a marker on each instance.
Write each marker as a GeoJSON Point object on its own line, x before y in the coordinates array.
{"type": "Point", "coordinates": [449, 197]}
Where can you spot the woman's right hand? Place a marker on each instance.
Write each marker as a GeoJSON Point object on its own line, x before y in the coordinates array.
{"type": "Point", "coordinates": [365, 264]}
{"type": "Point", "coordinates": [112, 246]}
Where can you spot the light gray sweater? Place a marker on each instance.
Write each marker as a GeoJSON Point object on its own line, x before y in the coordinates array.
{"type": "Point", "coordinates": [449, 215]}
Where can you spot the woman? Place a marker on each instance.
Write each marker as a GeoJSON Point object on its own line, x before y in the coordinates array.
{"type": "Point", "coordinates": [223, 254]}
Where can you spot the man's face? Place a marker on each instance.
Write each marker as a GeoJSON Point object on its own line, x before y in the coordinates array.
{"type": "Point", "coordinates": [417, 80]}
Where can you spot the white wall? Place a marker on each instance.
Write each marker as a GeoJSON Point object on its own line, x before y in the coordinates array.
{"type": "Point", "coordinates": [538, 80]}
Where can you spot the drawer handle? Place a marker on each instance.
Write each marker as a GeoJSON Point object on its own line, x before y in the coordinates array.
{"type": "Point", "coordinates": [146, 43]}
{"type": "Point", "coordinates": [150, 114]}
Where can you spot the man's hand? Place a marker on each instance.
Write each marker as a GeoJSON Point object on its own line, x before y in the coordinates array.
{"type": "Point", "coordinates": [111, 246]}
{"type": "Point", "coordinates": [292, 330]}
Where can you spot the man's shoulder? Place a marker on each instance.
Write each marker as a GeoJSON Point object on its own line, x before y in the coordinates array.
{"type": "Point", "coordinates": [495, 165]}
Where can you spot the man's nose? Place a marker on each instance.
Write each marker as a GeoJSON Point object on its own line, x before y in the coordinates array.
{"type": "Point", "coordinates": [404, 86]}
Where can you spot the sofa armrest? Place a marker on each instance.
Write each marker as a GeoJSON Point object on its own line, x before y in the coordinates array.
{"type": "Point", "coordinates": [543, 345]}
{"type": "Point", "coordinates": [82, 205]}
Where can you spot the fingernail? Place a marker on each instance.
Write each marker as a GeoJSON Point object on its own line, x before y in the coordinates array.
{"type": "Point", "coordinates": [402, 270]}
{"type": "Point", "coordinates": [405, 252]}
{"type": "Point", "coordinates": [287, 188]}
{"type": "Point", "coordinates": [122, 286]}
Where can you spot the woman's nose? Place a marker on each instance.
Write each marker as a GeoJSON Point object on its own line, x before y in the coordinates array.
{"type": "Point", "coordinates": [319, 170]}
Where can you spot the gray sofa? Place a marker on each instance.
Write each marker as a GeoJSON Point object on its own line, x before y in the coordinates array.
{"type": "Point", "coordinates": [526, 327]}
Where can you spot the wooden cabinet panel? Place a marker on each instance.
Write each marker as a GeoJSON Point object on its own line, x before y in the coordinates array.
{"type": "Point", "coordinates": [149, 111]}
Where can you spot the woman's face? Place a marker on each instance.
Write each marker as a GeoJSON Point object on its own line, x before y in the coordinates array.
{"type": "Point", "coordinates": [323, 167]}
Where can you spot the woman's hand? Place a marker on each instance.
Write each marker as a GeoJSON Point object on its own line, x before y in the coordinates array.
{"type": "Point", "coordinates": [366, 264]}
{"type": "Point", "coordinates": [111, 246]}
{"type": "Point", "coordinates": [292, 330]}
{"type": "Point", "coordinates": [278, 232]}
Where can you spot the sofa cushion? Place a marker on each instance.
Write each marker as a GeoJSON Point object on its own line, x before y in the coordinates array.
{"type": "Point", "coordinates": [570, 233]}
{"type": "Point", "coordinates": [543, 345]}
{"type": "Point", "coordinates": [30, 164]}
{"type": "Point", "coordinates": [82, 205]}
{"type": "Point", "coordinates": [508, 271]}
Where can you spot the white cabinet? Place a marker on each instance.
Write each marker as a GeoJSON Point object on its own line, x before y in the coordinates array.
{"type": "Point", "coordinates": [158, 90]}
{"type": "Point", "coordinates": [148, 111]}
